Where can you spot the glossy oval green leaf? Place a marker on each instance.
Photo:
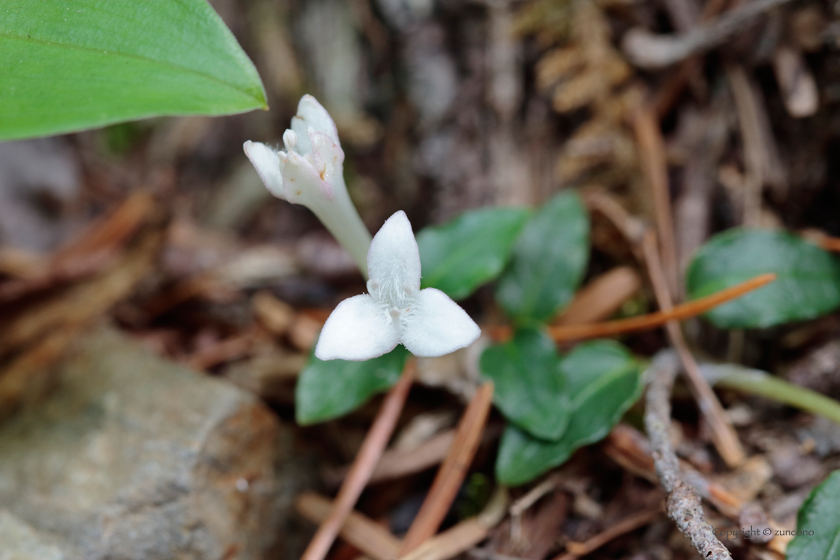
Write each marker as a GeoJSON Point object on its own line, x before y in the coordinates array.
{"type": "Point", "coordinates": [329, 389]}
{"type": "Point", "coordinates": [818, 524]}
{"type": "Point", "coordinates": [469, 251]}
{"type": "Point", "coordinates": [529, 386]}
{"type": "Point", "coordinates": [76, 64]}
{"type": "Point", "coordinates": [603, 380]}
{"type": "Point", "coordinates": [807, 283]}
{"type": "Point", "coordinates": [549, 260]}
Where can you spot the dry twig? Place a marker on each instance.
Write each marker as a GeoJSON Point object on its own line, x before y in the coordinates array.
{"type": "Point", "coordinates": [650, 51]}
{"type": "Point", "coordinates": [725, 439]}
{"type": "Point", "coordinates": [452, 471]}
{"type": "Point", "coordinates": [375, 442]}
{"type": "Point", "coordinates": [465, 534]}
{"type": "Point", "coordinates": [655, 169]}
{"type": "Point", "coordinates": [683, 503]}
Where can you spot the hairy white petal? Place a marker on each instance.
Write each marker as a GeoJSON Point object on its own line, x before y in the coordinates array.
{"type": "Point", "coordinates": [266, 161]}
{"type": "Point", "coordinates": [312, 115]}
{"type": "Point", "coordinates": [437, 325]}
{"type": "Point", "coordinates": [393, 258]}
{"type": "Point", "coordinates": [358, 329]}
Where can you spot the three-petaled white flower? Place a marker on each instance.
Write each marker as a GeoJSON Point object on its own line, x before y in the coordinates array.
{"type": "Point", "coordinates": [396, 310]}
{"type": "Point", "coordinates": [311, 172]}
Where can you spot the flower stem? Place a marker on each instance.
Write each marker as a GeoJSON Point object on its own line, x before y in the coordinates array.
{"type": "Point", "coordinates": [342, 220]}
{"type": "Point", "coordinates": [757, 382]}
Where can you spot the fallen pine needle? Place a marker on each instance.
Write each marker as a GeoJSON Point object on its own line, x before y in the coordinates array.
{"type": "Point", "coordinates": [563, 333]}
{"type": "Point", "coordinates": [654, 320]}
{"type": "Point", "coordinates": [358, 530]}
{"type": "Point", "coordinates": [465, 534]}
{"type": "Point", "coordinates": [372, 448]}
{"type": "Point", "coordinates": [630, 523]}
{"type": "Point", "coordinates": [451, 474]}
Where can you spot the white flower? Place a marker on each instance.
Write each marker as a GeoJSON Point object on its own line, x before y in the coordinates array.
{"type": "Point", "coordinates": [396, 310]}
{"type": "Point", "coordinates": [311, 172]}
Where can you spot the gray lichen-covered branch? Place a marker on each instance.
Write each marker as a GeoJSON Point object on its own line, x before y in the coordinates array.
{"type": "Point", "coordinates": [683, 502]}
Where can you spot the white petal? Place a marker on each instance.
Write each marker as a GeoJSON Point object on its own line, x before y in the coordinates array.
{"type": "Point", "coordinates": [311, 114]}
{"type": "Point", "coordinates": [266, 161]}
{"type": "Point", "coordinates": [393, 258]}
{"type": "Point", "coordinates": [303, 182]}
{"type": "Point", "coordinates": [358, 329]}
{"type": "Point", "coordinates": [437, 326]}
{"type": "Point", "coordinates": [327, 156]}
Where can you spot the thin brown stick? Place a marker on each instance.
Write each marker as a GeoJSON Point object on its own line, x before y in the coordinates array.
{"type": "Point", "coordinates": [375, 442]}
{"type": "Point", "coordinates": [358, 530]}
{"type": "Point", "coordinates": [724, 437]}
{"type": "Point", "coordinates": [395, 463]}
{"type": "Point", "coordinates": [681, 312]}
{"type": "Point", "coordinates": [659, 318]}
{"type": "Point", "coordinates": [452, 472]}
{"type": "Point", "coordinates": [630, 523]}
{"type": "Point", "coordinates": [630, 449]}
{"type": "Point", "coordinates": [655, 169]}
{"type": "Point", "coordinates": [683, 503]}
{"type": "Point", "coordinates": [465, 534]}
{"type": "Point", "coordinates": [752, 141]}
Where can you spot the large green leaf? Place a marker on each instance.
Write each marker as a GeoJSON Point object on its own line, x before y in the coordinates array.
{"type": "Point", "coordinates": [549, 260]}
{"type": "Point", "coordinates": [329, 389]}
{"type": "Point", "coordinates": [472, 249]}
{"type": "Point", "coordinates": [75, 64]}
{"type": "Point", "coordinates": [603, 380]}
{"type": "Point", "coordinates": [529, 386]}
{"type": "Point", "coordinates": [807, 283]}
{"type": "Point", "coordinates": [818, 524]}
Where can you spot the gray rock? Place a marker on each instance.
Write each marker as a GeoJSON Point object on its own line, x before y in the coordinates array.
{"type": "Point", "coordinates": [135, 457]}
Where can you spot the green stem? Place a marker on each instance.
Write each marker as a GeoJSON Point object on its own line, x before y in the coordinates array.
{"type": "Point", "coordinates": [757, 382]}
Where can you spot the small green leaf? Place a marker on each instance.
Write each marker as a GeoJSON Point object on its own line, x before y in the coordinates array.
{"type": "Point", "coordinates": [472, 249]}
{"type": "Point", "coordinates": [549, 260]}
{"type": "Point", "coordinates": [332, 388]}
{"type": "Point", "coordinates": [818, 524]}
{"type": "Point", "coordinates": [603, 380]}
{"type": "Point", "coordinates": [807, 283]}
{"type": "Point", "coordinates": [529, 386]}
{"type": "Point", "coordinates": [75, 64]}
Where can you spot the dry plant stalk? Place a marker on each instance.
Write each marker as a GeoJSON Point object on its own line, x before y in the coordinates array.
{"type": "Point", "coordinates": [452, 472]}
{"type": "Point", "coordinates": [655, 169]}
{"type": "Point", "coordinates": [724, 437]}
{"type": "Point", "coordinates": [375, 442]}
